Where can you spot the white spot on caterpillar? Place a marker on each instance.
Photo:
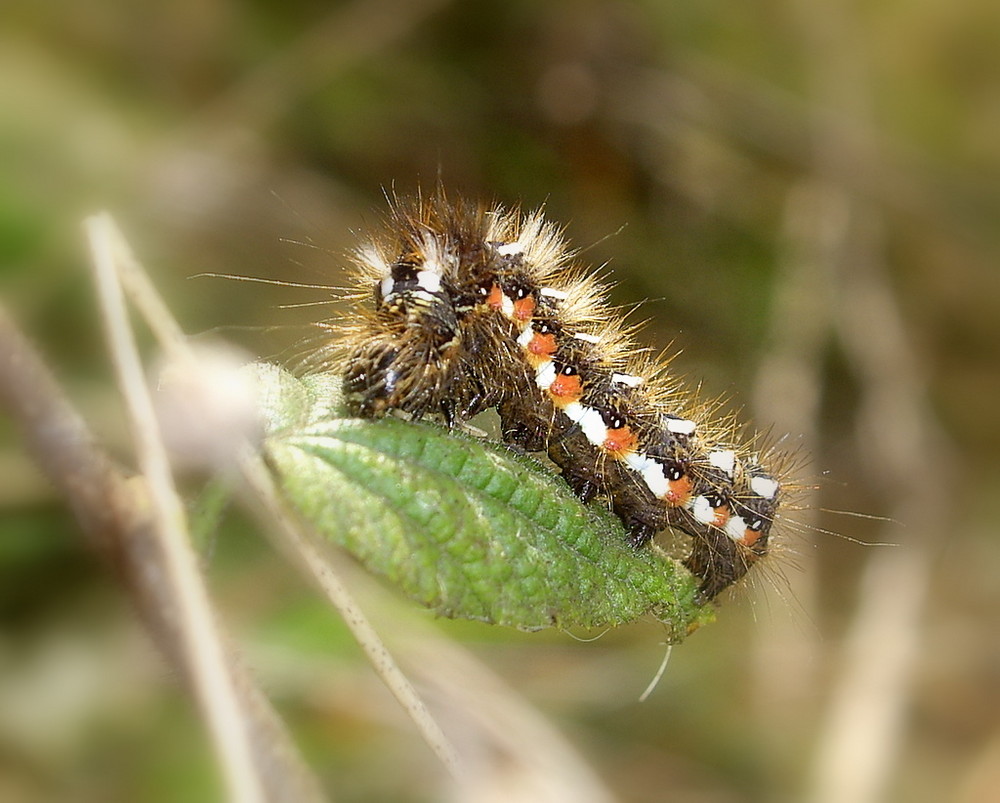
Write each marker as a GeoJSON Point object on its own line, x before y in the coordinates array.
{"type": "Point", "coordinates": [681, 426]}
{"type": "Point", "coordinates": [627, 379]}
{"type": "Point", "coordinates": [637, 461]}
{"type": "Point", "coordinates": [527, 335]}
{"type": "Point", "coordinates": [725, 460]}
{"type": "Point", "coordinates": [574, 411]}
{"type": "Point", "coordinates": [650, 471]}
{"type": "Point", "coordinates": [506, 305]}
{"type": "Point", "coordinates": [764, 487]}
{"type": "Point", "coordinates": [736, 528]}
{"type": "Point", "coordinates": [702, 510]}
{"type": "Point", "coordinates": [386, 286]}
{"type": "Point", "coordinates": [586, 338]}
{"type": "Point", "coordinates": [424, 296]}
{"type": "Point", "coordinates": [592, 423]}
{"type": "Point", "coordinates": [510, 249]}
{"type": "Point", "coordinates": [429, 280]}
{"type": "Point", "coordinates": [545, 375]}
{"type": "Point", "coordinates": [551, 292]}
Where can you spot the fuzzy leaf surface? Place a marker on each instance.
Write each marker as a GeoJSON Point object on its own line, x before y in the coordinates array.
{"type": "Point", "coordinates": [463, 526]}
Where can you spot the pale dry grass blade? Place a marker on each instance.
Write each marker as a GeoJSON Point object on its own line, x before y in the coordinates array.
{"type": "Point", "coordinates": [213, 683]}
{"type": "Point", "coordinates": [288, 537]}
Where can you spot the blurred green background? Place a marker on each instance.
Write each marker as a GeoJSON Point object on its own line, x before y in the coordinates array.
{"type": "Point", "coordinates": [805, 198]}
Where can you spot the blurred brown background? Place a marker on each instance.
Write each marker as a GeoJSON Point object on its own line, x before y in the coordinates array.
{"type": "Point", "coordinates": [805, 196]}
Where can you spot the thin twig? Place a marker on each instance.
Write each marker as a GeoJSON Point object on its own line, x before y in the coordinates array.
{"type": "Point", "coordinates": [213, 684]}
{"type": "Point", "coordinates": [113, 513]}
{"type": "Point", "coordinates": [317, 564]}
{"type": "Point", "coordinates": [512, 752]}
{"type": "Point", "coordinates": [298, 546]}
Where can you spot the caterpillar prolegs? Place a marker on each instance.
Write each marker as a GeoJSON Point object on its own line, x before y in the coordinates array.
{"type": "Point", "coordinates": [477, 308]}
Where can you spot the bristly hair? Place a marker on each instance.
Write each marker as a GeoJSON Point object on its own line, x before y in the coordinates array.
{"type": "Point", "coordinates": [462, 307]}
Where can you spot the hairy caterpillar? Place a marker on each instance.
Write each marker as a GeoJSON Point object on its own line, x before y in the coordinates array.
{"type": "Point", "coordinates": [478, 308]}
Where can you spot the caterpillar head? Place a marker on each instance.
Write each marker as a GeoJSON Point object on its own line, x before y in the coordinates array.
{"type": "Point", "coordinates": [406, 367]}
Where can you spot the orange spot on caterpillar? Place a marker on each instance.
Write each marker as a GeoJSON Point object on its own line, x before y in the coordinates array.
{"type": "Point", "coordinates": [495, 299]}
{"type": "Point", "coordinates": [524, 309]}
{"type": "Point", "coordinates": [721, 516]}
{"type": "Point", "coordinates": [566, 388]}
{"type": "Point", "coordinates": [543, 345]}
{"type": "Point", "coordinates": [620, 441]}
{"type": "Point", "coordinates": [750, 537]}
{"type": "Point", "coordinates": [680, 491]}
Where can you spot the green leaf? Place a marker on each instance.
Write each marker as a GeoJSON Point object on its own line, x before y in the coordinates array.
{"type": "Point", "coordinates": [463, 526]}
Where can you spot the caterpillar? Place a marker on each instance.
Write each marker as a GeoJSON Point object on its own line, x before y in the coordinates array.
{"type": "Point", "coordinates": [462, 308]}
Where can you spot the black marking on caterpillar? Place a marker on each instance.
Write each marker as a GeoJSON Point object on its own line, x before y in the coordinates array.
{"type": "Point", "coordinates": [464, 308]}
